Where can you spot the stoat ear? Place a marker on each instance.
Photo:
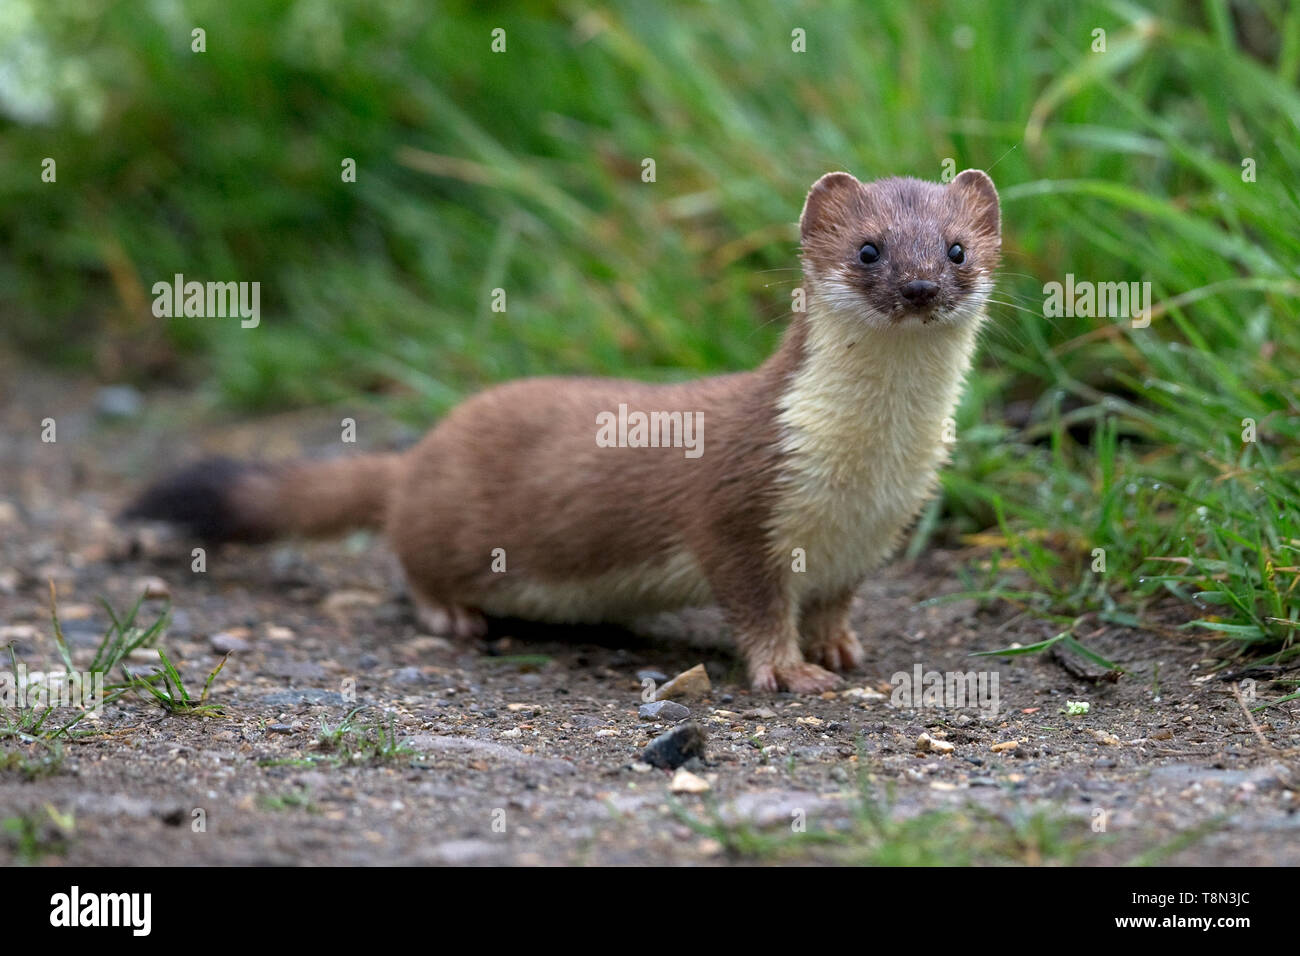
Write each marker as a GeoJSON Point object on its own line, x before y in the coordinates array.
{"type": "Point", "coordinates": [982, 197]}
{"type": "Point", "coordinates": [827, 202]}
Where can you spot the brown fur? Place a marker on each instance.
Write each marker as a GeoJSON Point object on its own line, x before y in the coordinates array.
{"type": "Point", "coordinates": [318, 498]}
{"type": "Point", "coordinates": [517, 468]}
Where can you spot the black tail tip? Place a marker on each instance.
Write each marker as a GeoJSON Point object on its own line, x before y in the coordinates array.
{"type": "Point", "coordinates": [200, 498]}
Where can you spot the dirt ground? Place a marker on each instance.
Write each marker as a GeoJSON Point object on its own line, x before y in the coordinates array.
{"type": "Point", "coordinates": [525, 748]}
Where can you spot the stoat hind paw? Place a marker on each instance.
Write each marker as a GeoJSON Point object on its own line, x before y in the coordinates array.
{"type": "Point", "coordinates": [450, 620]}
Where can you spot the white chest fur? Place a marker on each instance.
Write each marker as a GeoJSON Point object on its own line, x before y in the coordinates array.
{"type": "Point", "coordinates": [863, 428]}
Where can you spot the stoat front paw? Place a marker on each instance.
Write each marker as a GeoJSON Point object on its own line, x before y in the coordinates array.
{"type": "Point", "coordinates": [800, 678]}
{"type": "Point", "coordinates": [840, 650]}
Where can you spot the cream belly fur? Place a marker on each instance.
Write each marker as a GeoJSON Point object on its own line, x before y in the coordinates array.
{"type": "Point", "coordinates": [619, 596]}
{"type": "Point", "coordinates": [863, 439]}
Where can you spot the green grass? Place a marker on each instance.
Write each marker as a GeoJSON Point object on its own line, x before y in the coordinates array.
{"type": "Point", "coordinates": [30, 723]}
{"type": "Point", "coordinates": [288, 800]}
{"type": "Point", "coordinates": [38, 758]}
{"type": "Point", "coordinates": [36, 732]}
{"type": "Point", "coordinates": [123, 636]}
{"type": "Point", "coordinates": [874, 835]}
{"type": "Point", "coordinates": [33, 735]}
{"type": "Point", "coordinates": [34, 837]}
{"type": "Point", "coordinates": [164, 686]}
{"type": "Point", "coordinates": [521, 171]}
{"type": "Point", "coordinates": [167, 689]}
{"type": "Point", "coordinates": [353, 741]}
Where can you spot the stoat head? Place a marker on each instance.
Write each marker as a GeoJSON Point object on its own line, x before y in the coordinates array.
{"type": "Point", "coordinates": [902, 253]}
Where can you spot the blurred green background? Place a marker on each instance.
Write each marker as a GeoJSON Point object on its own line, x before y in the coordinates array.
{"type": "Point", "coordinates": [521, 170]}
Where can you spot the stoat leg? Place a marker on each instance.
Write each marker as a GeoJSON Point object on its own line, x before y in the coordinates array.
{"type": "Point", "coordinates": [769, 642]}
{"type": "Point", "coordinates": [828, 637]}
{"type": "Point", "coordinates": [448, 620]}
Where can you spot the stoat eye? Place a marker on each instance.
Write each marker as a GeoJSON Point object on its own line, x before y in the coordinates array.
{"type": "Point", "coordinates": [868, 254]}
{"type": "Point", "coordinates": [956, 253]}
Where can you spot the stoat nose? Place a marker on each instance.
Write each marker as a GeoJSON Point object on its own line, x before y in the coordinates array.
{"type": "Point", "coordinates": [920, 291]}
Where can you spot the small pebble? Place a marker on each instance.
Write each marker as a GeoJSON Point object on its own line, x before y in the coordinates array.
{"type": "Point", "coordinates": [664, 710]}
{"type": "Point", "coordinates": [427, 644]}
{"type": "Point", "coordinates": [686, 782]}
{"type": "Point", "coordinates": [224, 642]}
{"type": "Point", "coordinates": [691, 683]}
{"type": "Point", "coordinates": [118, 401]}
{"type": "Point", "coordinates": [927, 743]}
{"type": "Point", "coordinates": [18, 632]}
{"type": "Point", "coordinates": [153, 588]}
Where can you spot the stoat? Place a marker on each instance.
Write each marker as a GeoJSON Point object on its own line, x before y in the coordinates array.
{"type": "Point", "coordinates": [772, 493]}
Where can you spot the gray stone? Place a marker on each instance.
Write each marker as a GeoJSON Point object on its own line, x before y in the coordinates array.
{"type": "Point", "coordinates": [224, 643]}
{"type": "Point", "coordinates": [668, 710]}
{"type": "Point", "coordinates": [119, 401]}
{"type": "Point", "coordinates": [672, 749]}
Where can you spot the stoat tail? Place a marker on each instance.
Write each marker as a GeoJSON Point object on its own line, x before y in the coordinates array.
{"type": "Point", "coordinates": [219, 499]}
